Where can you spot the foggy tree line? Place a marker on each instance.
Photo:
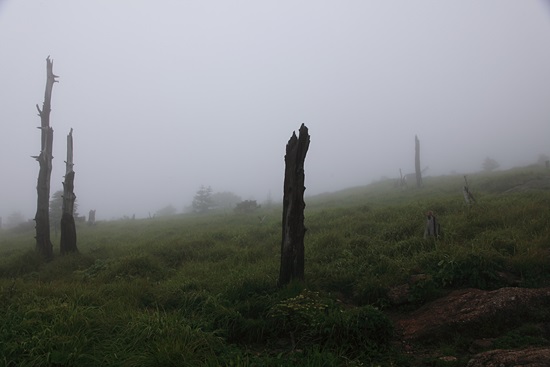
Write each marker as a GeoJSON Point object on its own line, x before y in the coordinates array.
{"type": "Point", "coordinates": [206, 199]}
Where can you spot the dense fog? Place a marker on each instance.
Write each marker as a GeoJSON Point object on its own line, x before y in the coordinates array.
{"type": "Point", "coordinates": [166, 96]}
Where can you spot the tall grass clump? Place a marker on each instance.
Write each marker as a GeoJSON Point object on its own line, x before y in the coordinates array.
{"type": "Point", "coordinates": [312, 319]}
{"type": "Point", "coordinates": [20, 263]}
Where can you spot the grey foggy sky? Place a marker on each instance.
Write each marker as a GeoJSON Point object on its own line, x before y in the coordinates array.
{"type": "Point", "coordinates": [164, 96]}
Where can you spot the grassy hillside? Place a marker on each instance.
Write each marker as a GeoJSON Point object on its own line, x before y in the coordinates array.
{"type": "Point", "coordinates": [201, 290]}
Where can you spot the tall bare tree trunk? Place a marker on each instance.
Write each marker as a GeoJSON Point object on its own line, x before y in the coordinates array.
{"type": "Point", "coordinates": [417, 162]}
{"type": "Point", "coordinates": [68, 227]}
{"type": "Point", "coordinates": [42, 218]}
{"type": "Point", "coordinates": [292, 246]}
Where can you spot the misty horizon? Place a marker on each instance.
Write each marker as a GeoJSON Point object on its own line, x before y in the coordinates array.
{"type": "Point", "coordinates": [166, 97]}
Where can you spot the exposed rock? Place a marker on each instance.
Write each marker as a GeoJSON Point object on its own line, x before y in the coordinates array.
{"type": "Point", "coordinates": [448, 359]}
{"type": "Point", "coordinates": [530, 357]}
{"type": "Point", "coordinates": [468, 309]}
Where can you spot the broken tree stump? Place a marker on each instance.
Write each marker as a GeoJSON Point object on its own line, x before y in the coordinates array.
{"type": "Point", "coordinates": [292, 245]}
{"type": "Point", "coordinates": [417, 162]}
{"type": "Point", "coordinates": [91, 218]}
{"type": "Point", "coordinates": [68, 228]}
{"type": "Point", "coordinates": [432, 226]}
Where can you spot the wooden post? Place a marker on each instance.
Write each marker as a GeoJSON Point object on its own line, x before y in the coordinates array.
{"type": "Point", "coordinates": [42, 218]}
{"type": "Point", "coordinates": [68, 227]}
{"type": "Point", "coordinates": [292, 245]}
{"type": "Point", "coordinates": [417, 162]}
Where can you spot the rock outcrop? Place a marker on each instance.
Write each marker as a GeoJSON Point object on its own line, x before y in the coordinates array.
{"type": "Point", "coordinates": [473, 310]}
{"type": "Point", "coordinates": [529, 357]}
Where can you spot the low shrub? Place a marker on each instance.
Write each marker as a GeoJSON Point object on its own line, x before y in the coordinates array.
{"type": "Point", "coordinates": [310, 318]}
{"type": "Point", "coordinates": [64, 267]}
{"type": "Point", "coordinates": [465, 269]}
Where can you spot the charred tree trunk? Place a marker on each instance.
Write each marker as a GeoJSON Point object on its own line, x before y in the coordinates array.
{"type": "Point", "coordinates": [292, 246]}
{"type": "Point", "coordinates": [42, 218]}
{"type": "Point", "coordinates": [68, 227]}
{"type": "Point", "coordinates": [417, 162]}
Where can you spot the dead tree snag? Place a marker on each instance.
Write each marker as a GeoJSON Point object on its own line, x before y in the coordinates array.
{"type": "Point", "coordinates": [417, 162]}
{"type": "Point", "coordinates": [433, 228]}
{"type": "Point", "coordinates": [91, 218]}
{"type": "Point", "coordinates": [68, 227]}
{"type": "Point", "coordinates": [42, 219]}
{"type": "Point", "coordinates": [468, 196]}
{"type": "Point", "coordinates": [292, 246]}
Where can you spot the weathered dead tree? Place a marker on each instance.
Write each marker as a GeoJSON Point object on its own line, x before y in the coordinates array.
{"type": "Point", "coordinates": [292, 246]}
{"type": "Point", "coordinates": [417, 162]}
{"type": "Point", "coordinates": [68, 228]}
{"type": "Point", "coordinates": [42, 217]}
{"type": "Point", "coordinates": [91, 218]}
{"type": "Point", "coordinates": [432, 226]}
{"type": "Point", "coordinates": [468, 197]}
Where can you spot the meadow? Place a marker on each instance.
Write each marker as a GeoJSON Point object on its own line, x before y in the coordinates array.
{"type": "Point", "coordinates": [201, 290]}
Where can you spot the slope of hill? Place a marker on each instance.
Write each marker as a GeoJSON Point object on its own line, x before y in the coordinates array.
{"type": "Point", "coordinates": [201, 290]}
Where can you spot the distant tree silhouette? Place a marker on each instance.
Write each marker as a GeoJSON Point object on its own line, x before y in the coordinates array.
{"type": "Point", "coordinates": [225, 200]}
{"type": "Point", "coordinates": [15, 219]}
{"type": "Point", "coordinates": [202, 202]}
{"type": "Point", "coordinates": [247, 206]}
{"type": "Point", "coordinates": [542, 160]}
{"type": "Point", "coordinates": [489, 164]}
{"type": "Point", "coordinates": [166, 211]}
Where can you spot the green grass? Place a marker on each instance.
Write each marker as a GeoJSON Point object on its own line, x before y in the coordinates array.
{"type": "Point", "coordinates": [201, 290]}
